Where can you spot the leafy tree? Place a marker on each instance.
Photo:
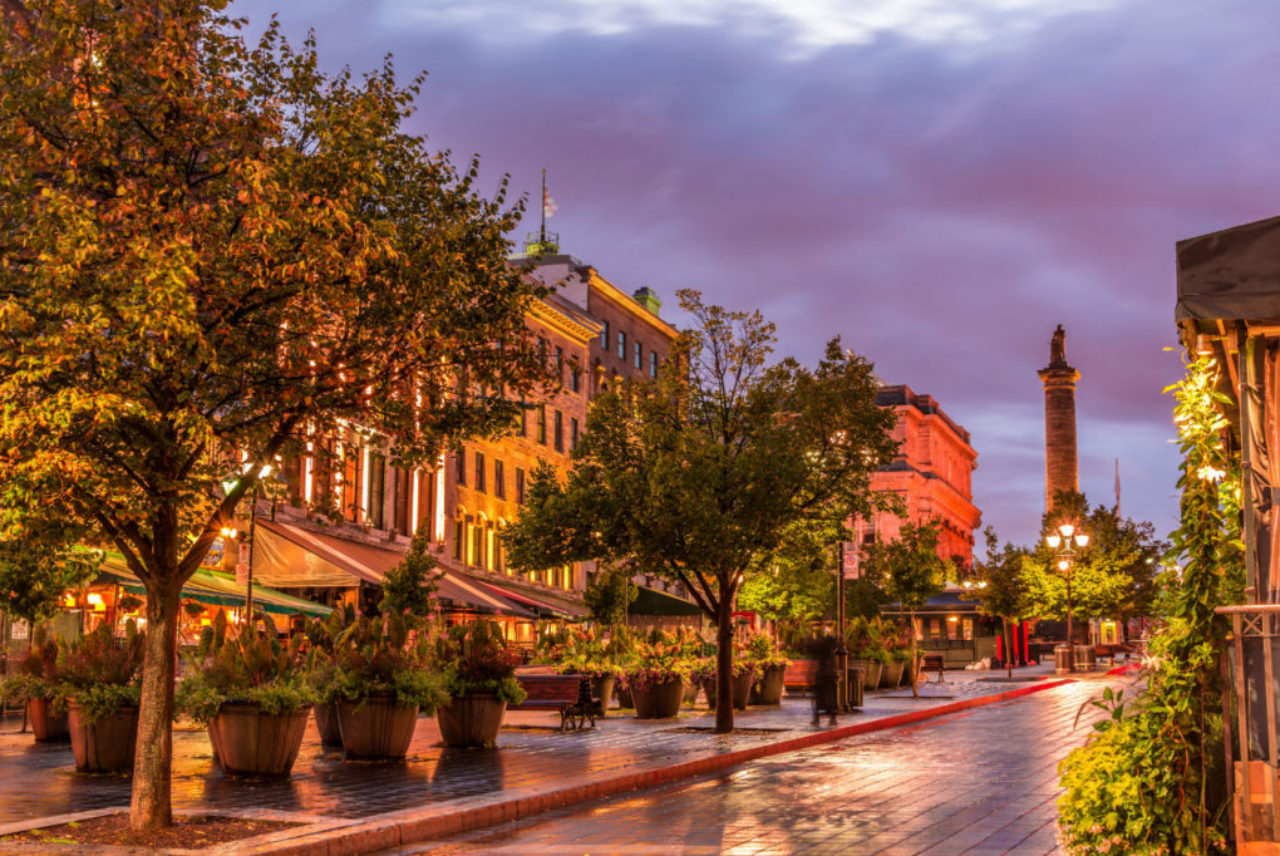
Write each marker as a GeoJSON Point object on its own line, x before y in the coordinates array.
{"type": "Point", "coordinates": [1114, 576]}
{"type": "Point", "coordinates": [408, 586]}
{"type": "Point", "coordinates": [608, 594]}
{"type": "Point", "coordinates": [212, 253]}
{"type": "Point", "coordinates": [1001, 592]}
{"type": "Point", "coordinates": [909, 571]}
{"type": "Point", "coordinates": [699, 477]}
{"type": "Point", "coordinates": [34, 576]}
{"type": "Point", "coordinates": [794, 583]}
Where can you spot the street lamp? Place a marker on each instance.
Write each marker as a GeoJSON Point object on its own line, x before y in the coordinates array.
{"type": "Point", "coordinates": [1064, 543]}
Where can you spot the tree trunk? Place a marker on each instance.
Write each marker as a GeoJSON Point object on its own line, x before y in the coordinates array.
{"type": "Point", "coordinates": [150, 806]}
{"type": "Point", "coordinates": [1008, 651]}
{"type": "Point", "coordinates": [724, 666]}
{"type": "Point", "coordinates": [915, 663]}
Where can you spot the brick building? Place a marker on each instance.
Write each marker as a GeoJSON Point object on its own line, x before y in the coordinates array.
{"type": "Point", "coordinates": [931, 475]}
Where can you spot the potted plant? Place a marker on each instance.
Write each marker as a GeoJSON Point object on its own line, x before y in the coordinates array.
{"type": "Point", "coordinates": [100, 684]}
{"type": "Point", "coordinates": [479, 670]}
{"type": "Point", "coordinates": [656, 679]}
{"type": "Point", "coordinates": [770, 668]}
{"type": "Point", "coordinates": [702, 676]}
{"type": "Point", "coordinates": [33, 684]}
{"type": "Point", "coordinates": [322, 670]}
{"type": "Point", "coordinates": [252, 693]}
{"type": "Point", "coordinates": [583, 653]}
{"type": "Point", "coordinates": [385, 674]}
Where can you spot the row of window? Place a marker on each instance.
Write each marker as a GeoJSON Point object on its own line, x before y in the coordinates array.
{"type": "Point", "coordinates": [481, 482]}
{"type": "Point", "coordinates": [557, 433]}
{"type": "Point", "coordinates": [637, 350]}
{"type": "Point", "coordinates": [478, 545]}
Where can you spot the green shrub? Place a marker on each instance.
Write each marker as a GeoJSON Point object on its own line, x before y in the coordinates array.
{"type": "Point", "coordinates": [477, 659]}
{"type": "Point", "coordinates": [100, 673]}
{"type": "Point", "coordinates": [386, 656]}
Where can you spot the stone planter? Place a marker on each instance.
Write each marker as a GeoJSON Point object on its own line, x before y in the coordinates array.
{"type": "Point", "coordinates": [742, 688]}
{"type": "Point", "coordinates": [105, 746]}
{"type": "Point", "coordinates": [471, 720]}
{"type": "Point", "coordinates": [376, 727]}
{"type": "Point", "coordinates": [891, 674]}
{"type": "Point", "coordinates": [248, 742]}
{"type": "Point", "coordinates": [767, 689]}
{"type": "Point", "coordinates": [327, 724]}
{"type": "Point", "coordinates": [602, 687]}
{"type": "Point", "coordinates": [45, 724]}
{"type": "Point", "coordinates": [871, 677]}
{"type": "Point", "coordinates": [660, 701]}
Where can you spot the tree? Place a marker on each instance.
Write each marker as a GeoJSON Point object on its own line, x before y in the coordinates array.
{"type": "Point", "coordinates": [794, 583]}
{"type": "Point", "coordinates": [34, 576]}
{"type": "Point", "coordinates": [407, 588]}
{"type": "Point", "coordinates": [213, 255]}
{"type": "Point", "coordinates": [698, 476]}
{"type": "Point", "coordinates": [608, 594]}
{"type": "Point", "coordinates": [909, 571]}
{"type": "Point", "coordinates": [1001, 592]}
{"type": "Point", "coordinates": [1114, 576]}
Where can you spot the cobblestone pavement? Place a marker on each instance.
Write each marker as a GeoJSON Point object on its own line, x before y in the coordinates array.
{"type": "Point", "coordinates": [40, 780]}
{"type": "Point", "coordinates": [981, 782]}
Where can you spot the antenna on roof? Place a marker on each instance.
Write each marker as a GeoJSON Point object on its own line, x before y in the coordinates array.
{"type": "Point", "coordinates": [541, 244]}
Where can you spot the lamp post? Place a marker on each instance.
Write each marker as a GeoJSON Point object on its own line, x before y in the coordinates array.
{"type": "Point", "coordinates": [1064, 543]}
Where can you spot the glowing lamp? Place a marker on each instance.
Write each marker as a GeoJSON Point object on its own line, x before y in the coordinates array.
{"type": "Point", "coordinates": [1067, 530]}
{"type": "Point", "coordinates": [1082, 540]}
{"type": "Point", "coordinates": [96, 600]}
{"type": "Point", "coordinates": [1063, 564]}
{"type": "Point", "coordinates": [1054, 541]}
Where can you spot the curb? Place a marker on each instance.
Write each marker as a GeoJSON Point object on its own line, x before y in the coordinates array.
{"type": "Point", "coordinates": [410, 826]}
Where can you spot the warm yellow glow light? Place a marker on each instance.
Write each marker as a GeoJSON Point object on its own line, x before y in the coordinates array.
{"type": "Point", "coordinates": [1067, 530]}
{"type": "Point", "coordinates": [1054, 541]}
{"type": "Point", "coordinates": [1063, 564]}
{"type": "Point", "coordinates": [96, 600]}
{"type": "Point", "coordinates": [1082, 540]}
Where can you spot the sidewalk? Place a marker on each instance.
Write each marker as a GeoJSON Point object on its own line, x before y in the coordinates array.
{"type": "Point", "coordinates": [439, 791]}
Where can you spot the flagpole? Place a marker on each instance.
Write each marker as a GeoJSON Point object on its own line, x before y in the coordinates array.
{"type": "Point", "coordinates": [542, 233]}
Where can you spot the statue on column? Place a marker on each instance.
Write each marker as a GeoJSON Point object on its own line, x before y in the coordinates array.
{"type": "Point", "coordinates": [1058, 347]}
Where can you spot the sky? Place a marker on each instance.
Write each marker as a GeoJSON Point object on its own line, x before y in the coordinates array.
{"type": "Point", "coordinates": [938, 182]}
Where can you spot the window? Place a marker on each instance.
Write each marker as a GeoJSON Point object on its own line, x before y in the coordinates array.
{"type": "Point", "coordinates": [524, 422]}
{"type": "Point", "coordinates": [377, 482]}
{"type": "Point", "coordinates": [575, 377]}
{"type": "Point", "coordinates": [604, 336]}
{"type": "Point", "coordinates": [622, 345]}
{"type": "Point", "coordinates": [462, 466]}
{"type": "Point", "coordinates": [573, 434]}
{"type": "Point", "coordinates": [499, 482]}
{"type": "Point", "coordinates": [559, 436]}
{"type": "Point", "coordinates": [653, 364]}
{"type": "Point", "coordinates": [480, 473]}
{"type": "Point", "coordinates": [519, 486]}
{"type": "Point", "coordinates": [542, 424]}
{"type": "Point", "coordinates": [459, 535]}
{"type": "Point", "coordinates": [542, 351]}
{"type": "Point", "coordinates": [639, 356]}
{"type": "Point", "coordinates": [477, 545]}
{"type": "Point", "coordinates": [490, 547]}
{"type": "Point", "coordinates": [559, 363]}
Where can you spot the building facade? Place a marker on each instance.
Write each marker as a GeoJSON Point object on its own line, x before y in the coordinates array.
{"type": "Point", "coordinates": [931, 475]}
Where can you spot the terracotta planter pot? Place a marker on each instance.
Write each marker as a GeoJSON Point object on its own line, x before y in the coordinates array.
{"type": "Point", "coordinates": [248, 742]}
{"type": "Point", "coordinates": [471, 720]}
{"type": "Point", "coordinates": [661, 701]}
{"type": "Point", "coordinates": [107, 745]}
{"type": "Point", "coordinates": [45, 724]}
{"type": "Point", "coordinates": [767, 689]}
{"type": "Point", "coordinates": [709, 690]}
{"type": "Point", "coordinates": [891, 674]}
{"type": "Point", "coordinates": [742, 688]}
{"type": "Point", "coordinates": [327, 724]}
{"type": "Point", "coordinates": [871, 677]}
{"type": "Point", "coordinates": [376, 727]}
{"type": "Point", "coordinates": [690, 696]}
{"type": "Point", "coordinates": [624, 695]}
{"type": "Point", "coordinates": [602, 687]}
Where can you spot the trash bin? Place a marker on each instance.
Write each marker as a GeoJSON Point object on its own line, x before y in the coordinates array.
{"type": "Point", "coordinates": [854, 686]}
{"type": "Point", "coordinates": [1062, 659]}
{"type": "Point", "coordinates": [1086, 658]}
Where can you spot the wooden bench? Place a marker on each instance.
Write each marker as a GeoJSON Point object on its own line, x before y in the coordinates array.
{"type": "Point", "coordinates": [569, 695]}
{"type": "Point", "coordinates": [800, 676]}
{"type": "Point", "coordinates": [932, 663]}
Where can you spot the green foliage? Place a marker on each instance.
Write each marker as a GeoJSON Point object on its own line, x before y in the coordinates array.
{"type": "Point", "coordinates": [101, 673]}
{"type": "Point", "coordinates": [795, 582]}
{"type": "Point", "coordinates": [659, 661]}
{"type": "Point", "coordinates": [37, 674]}
{"type": "Point", "coordinates": [35, 573]}
{"type": "Point", "coordinates": [1150, 780]}
{"type": "Point", "coordinates": [760, 651]}
{"type": "Point", "coordinates": [230, 666]}
{"type": "Point", "coordinates": [908, 570]}
{"type": "Point", "coordinates": [608, 594]}
{"type": "Point", "coordinates": [408, 586]}
{"type": "Point", "coordinates": [385, 656]}
{"type": "Point", "coordinates": [477, 659]}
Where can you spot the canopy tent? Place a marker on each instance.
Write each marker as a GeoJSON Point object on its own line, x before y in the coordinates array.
{"type": "Point", "coordinates": [653, 602]}
{"type": "Point", "coordinates": [546, 605]}
{"type": "Point", "coordinates": [1233, 274]}
{"type": "Point", "coordinates": [291, 557]}
{"type": "Point", "coordinates": [215, 588]}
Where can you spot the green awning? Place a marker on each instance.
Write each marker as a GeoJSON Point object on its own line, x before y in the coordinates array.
{"type": "Point", "coordinates": [653, 602]}
{"type": "Point", "coordinates": [218, 589]}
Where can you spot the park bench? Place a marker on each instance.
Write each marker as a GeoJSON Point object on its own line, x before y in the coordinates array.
{"type": "Point", "coordinates": [800, 676]}
{"type": "Point", "coordinates": [568, 695]}
{"type": "Point", "coordinates": [932, 663]}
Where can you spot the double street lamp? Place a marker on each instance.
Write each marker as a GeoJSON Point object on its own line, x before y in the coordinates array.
{"type": "Point", "coordinates": [1064, 543]}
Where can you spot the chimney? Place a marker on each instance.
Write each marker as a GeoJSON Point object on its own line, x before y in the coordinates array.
{"type": "Point", "coordinates": [648, 298]}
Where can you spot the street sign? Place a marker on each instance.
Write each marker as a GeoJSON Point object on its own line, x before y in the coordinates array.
{"type": "Point", "coordinates": [852, 569]}
{"type": "Point", "coordinates": [242, 566]}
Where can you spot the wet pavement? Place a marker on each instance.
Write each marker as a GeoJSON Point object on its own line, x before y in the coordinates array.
{"type": "Point", "coordinates": [39, 780]}
{"type": "Point", "coordinates": [980, 782]}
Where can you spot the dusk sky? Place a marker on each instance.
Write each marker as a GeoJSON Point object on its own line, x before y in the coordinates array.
{"type": "Point", "coordinates": [940, 182]}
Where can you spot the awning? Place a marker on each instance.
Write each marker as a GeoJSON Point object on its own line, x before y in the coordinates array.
{"type": "Point", "coordinates": [653, 602]}
{"type": "Point", "coordinates": [545, 608]}
{"type": "Point", "coordinates": [215, 588]}
{"type": "Point", "coordinates": [1233, 274]}
{"type": "Point", "coordinates": [291, 557]}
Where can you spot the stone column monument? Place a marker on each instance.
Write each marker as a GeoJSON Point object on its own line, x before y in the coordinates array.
{"type": "Point", "coordinates": [1060, 463]}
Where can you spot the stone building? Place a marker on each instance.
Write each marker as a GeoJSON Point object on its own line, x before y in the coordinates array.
{"type": "Point", "coordinates": [931, 475]}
